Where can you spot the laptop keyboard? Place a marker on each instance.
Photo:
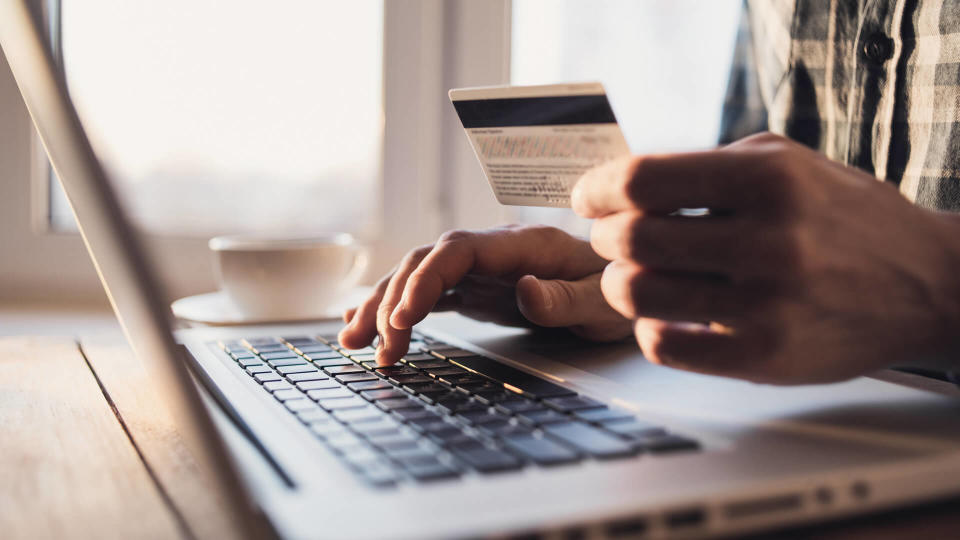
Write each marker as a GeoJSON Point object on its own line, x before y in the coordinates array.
{"type": "Point", "coordinates": [441, 413]}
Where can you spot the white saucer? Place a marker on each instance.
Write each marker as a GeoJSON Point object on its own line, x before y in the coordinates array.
{"type": "Point", "coordinates": [215, 308]}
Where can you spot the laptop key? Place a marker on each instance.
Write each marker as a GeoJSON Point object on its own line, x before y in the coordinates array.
{"type": "Point", "coordinates": [384, 426]}
{"type": "Point", "coordinates": [428, 472]}
{"type": "Point", "coordinates": [267, 349]}
{"type": "Point", "coordinates": [297, 340]}
{"type": "Point", "coordinates": [253, 370]}
{"type": "Point", "coordinates": [297, 405]}
{"type": "Point", "coordinates": [267, 377]}
{"type": "Point", "coordinates": [264, 340]}
{"type": "Point", "coordinates": [428, 389]}
{"type": "Point", "coordinates": [462, 379]}
{"type": "Point", "coordinates": [247, 362]}
{"type": "Point", "coordinates": [430, 423]}
{"type": "Point", "coordinates": [453, 353]}
{"type": "Point", "coordinates": [319, 351]}
{"type": "Point", "coordinates": [590, 440]}
{"type": "Point", "coordinates": [573, 403]}
{"type": "Point", "coordinates": [492, 397]}
{"type": "Point", "coordinates": [327, 429]}
{"type": "Point", "coordinates": [295, 361]}
{"type": "Point", "coordinates": [303, 368]}
{"type": "Point", "coordinates": [448, 434]}
{"type": "Point", "coordinates": [634, 428]}
{"type": "Point", "coordinates": [278, 355]}
{"type": "Point", "coordinates": [307, 376]}
{"type": "Point", "coordinates": [342, 403]}
{"type": "Point", "coordinates": [312, 346]}
{"type": "Point", "coordinates": [284, 395]}
{"type": "Point", "coordinates": [518, 405]}
{"type": "Point", "coordinates": [460, 403]}
{"type": "Point", "coordinates": [485, 460]}
{"type": "Point", "coordinates": [389, 371]}
{"type": "Point", "coordinates": [356, 377]}
{"type": "Point", "coordinates": [392, 443]}
{"type": "Point", "coordinates": [414, 414]}
{"type": "Point", "coordinates": [375, 384]}
{"type": "Point", "coordinates": [358, 415]}
{"type": "Point", "coordinates": [273, 386]}
{"type": "Point", "coordinates": [410, 379]}
{"type": "Point", "coordinates": [665, 443]}
{"type": "Point", "coordinates": [540, 450]}
{"type": "Point", "coordinates": [502, 428]}
{"type": "Point", "coordinates": [603, 416]}
{"type": "Point", "coordinates": [398, 403]}
{"type": "Point", "coordinates": [330, 393]}
{"type": "Point", "coordinates": [379, 474]}
{"type": "Point", "coordinates": [386, 393]}
{"type": "Point", "coordinates": [328, 358]}
{"type": "Point", "coordinates": [324, 384]}
{"type": "Point", "coordinates": [482, 417]}
{"type": "Point", "coordinates": [542, 417]}
{"type": "Point", "coordinates": [314, 414]}
{"type": "Point", "coordinates": [430, 364]}
{"type": "Point", "coordinates": [344, 370]}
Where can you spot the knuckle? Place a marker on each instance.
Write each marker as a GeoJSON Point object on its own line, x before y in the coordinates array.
{"type": "Point", "coordinates": [764, 138]}
{"type": "Point", "coordinates": [543, 232]}
{"type": "Point", "coordinates": [416, 277]}
{"type": "Point", "coordinates": [383, 313]}
{"type": "Point", "coordinates": [455, 236]}
{"type": "Point", "coordinates": [422, 251]}
{"type": "Point", "coordinates": [414, 256]}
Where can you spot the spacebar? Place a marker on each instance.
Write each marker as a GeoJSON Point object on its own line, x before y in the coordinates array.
{"type": "Point", "coordinates": [529, 384]}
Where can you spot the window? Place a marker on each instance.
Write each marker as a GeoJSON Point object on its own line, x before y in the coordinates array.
{"type": "Point", "coordinates": [232, 117]}
{"type": "Point", "coordinates": [309, 115]}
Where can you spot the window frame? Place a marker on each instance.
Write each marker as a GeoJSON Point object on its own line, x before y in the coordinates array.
{"type": "Point", "coordinates": [429, 46]}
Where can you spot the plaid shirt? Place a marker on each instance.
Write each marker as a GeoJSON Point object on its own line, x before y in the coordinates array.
{"type": "Point", "coordinates": [870, 83]}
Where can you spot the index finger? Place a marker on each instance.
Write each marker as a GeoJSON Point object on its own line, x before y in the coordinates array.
{"type": "Point", "coordinates": [664, 183]}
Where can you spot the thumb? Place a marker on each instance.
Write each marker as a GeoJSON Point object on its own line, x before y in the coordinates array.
{"type": "Point", "coordinates": [557, 302]}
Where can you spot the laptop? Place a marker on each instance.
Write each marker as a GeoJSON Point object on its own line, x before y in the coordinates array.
{"type": "Point", "coordinates": [485, 431]}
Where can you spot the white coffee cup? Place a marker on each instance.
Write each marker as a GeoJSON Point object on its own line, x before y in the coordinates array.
{"type": "Point", "coordinates": [287, 277]}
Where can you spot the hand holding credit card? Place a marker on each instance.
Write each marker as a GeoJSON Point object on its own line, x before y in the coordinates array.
{"type": "Point", "coordinates": [534, 142]}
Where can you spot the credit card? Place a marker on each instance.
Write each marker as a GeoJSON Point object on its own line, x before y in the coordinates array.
{"type": "Point", "coordinates": [534, 142]}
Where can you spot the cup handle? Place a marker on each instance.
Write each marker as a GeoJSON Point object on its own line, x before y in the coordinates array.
{"type": "Point", "coordinates": [360, 261]}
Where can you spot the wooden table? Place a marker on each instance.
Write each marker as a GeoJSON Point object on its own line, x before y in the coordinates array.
{"type": "Point", "coordinates": [89, 452]}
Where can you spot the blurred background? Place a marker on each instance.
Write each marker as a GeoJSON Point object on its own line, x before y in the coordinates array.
{"type": "Point", "coordinates": [299, 116]}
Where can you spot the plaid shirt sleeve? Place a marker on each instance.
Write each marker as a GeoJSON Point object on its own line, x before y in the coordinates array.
{"type": "Point", "coordinates": [744, 112]}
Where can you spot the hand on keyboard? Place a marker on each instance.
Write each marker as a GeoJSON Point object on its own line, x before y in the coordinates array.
{"type": "Point", "coordinates": [518, 275]}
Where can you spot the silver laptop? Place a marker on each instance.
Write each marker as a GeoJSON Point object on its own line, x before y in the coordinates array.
{"type": "Point", "coordinates": [482, 430]}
